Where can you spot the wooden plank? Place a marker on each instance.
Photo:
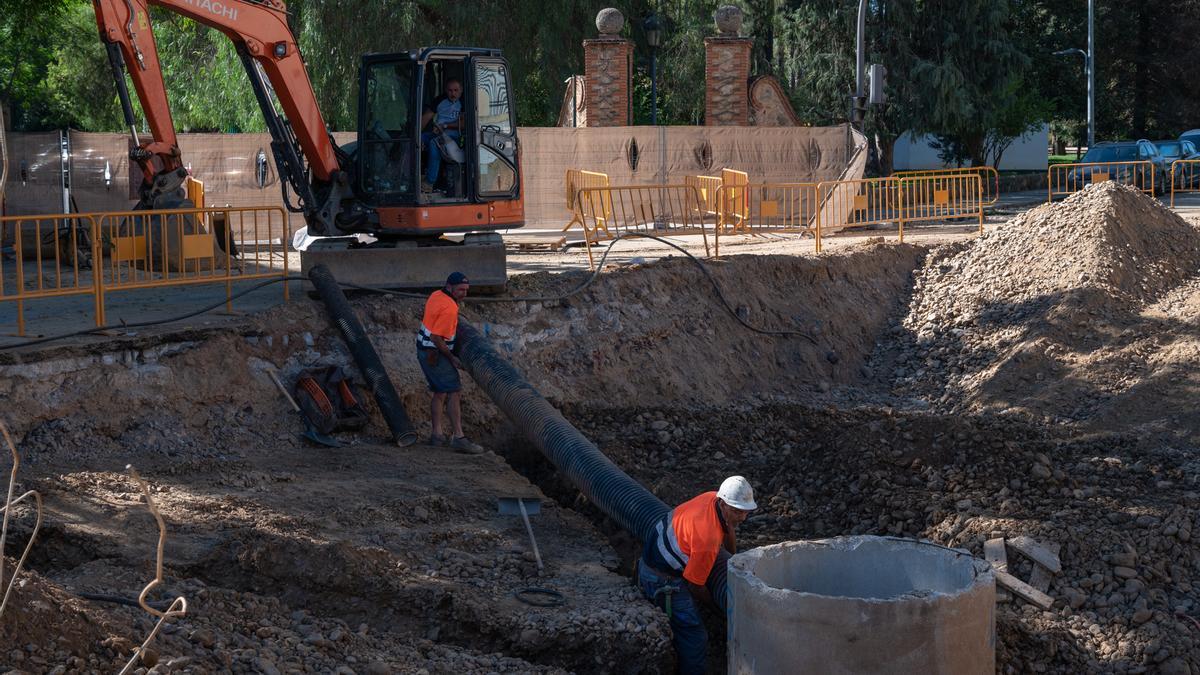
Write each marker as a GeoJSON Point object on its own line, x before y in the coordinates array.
{"type": "Point", "coordinates": [1036, 552]}
{"type": "Point", "coordinates": [993, 550]}
{"type": "Point", "coordinates": [1024, 590]}
{"type": "Point", "coordinates": [536, 242]}
{"type": "Point", "coordinates": [1040, 578]}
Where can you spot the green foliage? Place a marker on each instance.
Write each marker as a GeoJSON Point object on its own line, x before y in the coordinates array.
{"type": "Point", "coordinates": [975, 72]}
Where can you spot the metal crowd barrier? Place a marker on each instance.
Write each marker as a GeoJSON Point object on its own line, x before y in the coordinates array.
{"type": "Point", "coordinates": [764, 208]}
{"type": "Point", "coordinates": [1185, 177]}
{"type": "Point", "coordinates": [98, 253]}
{"type": "Point", "coordinates": [855, 203]}
{"type": "Point", "coordinates": [940, 197]}
{"type": "Point", "coordinates": [46, 257]}
{"type": "Point", "coordinates": [578, 179]}
{"type": "Point", "coordinates": [989, 178]}
{"type": "Point", "coordinates": [706, 187]}
{"type": "Point", "coordinates": [1066, 179]}
{"type": "Point", "coordinates": [664, 210]}
{"type": "Point", "coordinates": [879, 201]}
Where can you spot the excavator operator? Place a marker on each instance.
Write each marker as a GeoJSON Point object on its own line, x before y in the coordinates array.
{"type": "Point", "coordinates": [446, 115]}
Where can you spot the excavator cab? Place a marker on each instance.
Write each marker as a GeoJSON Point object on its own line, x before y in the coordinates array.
{"type": "Point", "coordinates": [419, 184]}
{"type": "Point", "coordinates": [410, 154]}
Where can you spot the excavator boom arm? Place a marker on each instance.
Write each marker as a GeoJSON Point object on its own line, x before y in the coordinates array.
{"type": "Point", "coordinates": [259, 30]}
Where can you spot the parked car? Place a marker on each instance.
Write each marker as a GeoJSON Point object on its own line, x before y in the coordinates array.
{"type": "Point", "coordinates": [1193, 136]}
{"type": "Point", "coordinates": [1122, 151]}
{"type": "Point", "coordinates": [1180, 149]}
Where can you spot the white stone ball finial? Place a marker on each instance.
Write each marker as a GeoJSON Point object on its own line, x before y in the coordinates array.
{"type": "Point", "coordinates": [729, 20]}
{"type": "Point", "coordinates": [610, 21]}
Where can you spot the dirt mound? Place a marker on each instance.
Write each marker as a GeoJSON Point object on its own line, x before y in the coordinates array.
{"type": "Point", "coordinates": [1054, 313]}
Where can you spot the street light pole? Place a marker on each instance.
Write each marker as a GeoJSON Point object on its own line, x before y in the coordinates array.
{"type": "Point", "coordinates": [860, 60]}
{"type": "Point", "coordinates": [1091, 73]}
{"type": "Point", "coordinates": [653, 27]}
{"type": "Point", "coordinates": [1090, 70]}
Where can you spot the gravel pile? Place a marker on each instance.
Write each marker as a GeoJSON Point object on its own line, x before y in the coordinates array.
{"type": "Point", "coordinates": [1044, 313]}
{"type": "Point", "coordinates": [1124, 514]}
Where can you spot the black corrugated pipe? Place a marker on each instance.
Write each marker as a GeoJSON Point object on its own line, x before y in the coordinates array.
{"type": "Point", "coordinates": [622, 498]}
{"type": "Point", "coordinates": [364, 354]}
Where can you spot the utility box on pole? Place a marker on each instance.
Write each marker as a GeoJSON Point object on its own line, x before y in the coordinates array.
{"type": "Point", "coordinates": [877, 83]}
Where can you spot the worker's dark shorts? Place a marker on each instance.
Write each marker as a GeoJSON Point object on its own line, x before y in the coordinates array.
{"type": "Point", "coordinates": [442, 377]}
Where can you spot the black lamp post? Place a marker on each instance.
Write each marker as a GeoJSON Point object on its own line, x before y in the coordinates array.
{"type": "Point", "coordinates": [653, 27]}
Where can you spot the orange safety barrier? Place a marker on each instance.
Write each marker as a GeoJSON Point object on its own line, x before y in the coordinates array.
{"type": "Point", "coordinates": [1065, 179]}
{"type": "Point", "coordinates": [106, 252]}
{"type": "Point", "coordinates": [663, 210]}
{"type": "Point", "coordinates": [764, 208]}
{"type": "Point", "coordinates": [47, 256]}
{"type": "Point", "coordinates": [988, 176]}
{"type": "Point", "coordinates": [578, 179]}
{"type": "Point", "coordinates": [1185, 177]}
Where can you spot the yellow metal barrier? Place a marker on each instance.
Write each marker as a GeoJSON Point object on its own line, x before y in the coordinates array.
{"type": "Point", "coordinates": [988, 176]}
{"type": "Point", "coordinates": [664, 210]}
{"type": "Point", "coordinates": [734, 206]}
{"type": "Point", "coordinates": [877, 201]}
{"type": "Point", "coordinates": [855, 203]}
{"type": "Point", "coordinates": [706, 187]}
{"type": "Point", "coordinates": [45, 257]}
{"type": "Point", "coordinates": [1065, 179]}
{"type": "Point", "coordinates": [940, 197]}
{"type": "Point", "coordinates": [94, 254]}
{"type": "Point", "coordinates": [578, 179]}
{"type": "Point", "coordinates": [1185, 177]}
{"type": "Point", "coordinates": [765, 208]}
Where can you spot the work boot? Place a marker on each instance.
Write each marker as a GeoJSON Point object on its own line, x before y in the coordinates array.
{"type": "Point", "coordinates": [465, 446]}
{"type": "Point", "coordinates": [426, 186]}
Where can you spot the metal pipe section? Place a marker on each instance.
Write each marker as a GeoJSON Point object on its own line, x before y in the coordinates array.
{"type": "Point", "coordinates": [342, 315]}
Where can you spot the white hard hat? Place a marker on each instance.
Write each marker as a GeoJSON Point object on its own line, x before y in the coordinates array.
{"type": "Point", "coordinates": [736, 492]}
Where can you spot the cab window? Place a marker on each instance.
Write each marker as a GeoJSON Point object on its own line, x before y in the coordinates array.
{"type": "Point", "coordinates": [387, 137]}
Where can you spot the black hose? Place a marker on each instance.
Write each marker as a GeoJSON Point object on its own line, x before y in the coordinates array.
{"type": "Point", "coordinates": [619, 496]}
{"type": "Point", "coordinates": [342, 315]}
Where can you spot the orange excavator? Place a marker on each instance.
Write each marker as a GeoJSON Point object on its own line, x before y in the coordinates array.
{"type": "Point", "coordinates": [375, 221]}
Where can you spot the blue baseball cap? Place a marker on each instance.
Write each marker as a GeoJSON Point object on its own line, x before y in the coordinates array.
{"type": "Point", "coordinates": [456, 278]}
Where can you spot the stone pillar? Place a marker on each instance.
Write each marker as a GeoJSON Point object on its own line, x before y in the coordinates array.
{"type": "Point", "coordinates": [607, 62]}
{"type": "Point", "coordinates": [727, 71]}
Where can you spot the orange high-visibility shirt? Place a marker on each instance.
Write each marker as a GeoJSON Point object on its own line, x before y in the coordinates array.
{"type": "Point", "coordinates": [441, 318]}
{"type": "Point", "coordinates": [692, 537]}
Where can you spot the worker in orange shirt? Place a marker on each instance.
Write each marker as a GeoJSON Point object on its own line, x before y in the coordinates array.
{"type": "Point", "coordinates": [680, 553]}
{"type": "Point", "coordinates": [435, 352]}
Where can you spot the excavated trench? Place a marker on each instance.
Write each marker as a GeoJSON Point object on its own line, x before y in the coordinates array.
{"type": "Point", "coordinates": [386, 560]}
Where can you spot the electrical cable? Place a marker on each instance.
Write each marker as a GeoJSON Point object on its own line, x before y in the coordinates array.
{"type": "Point", "coordinates": [596, 274]}
{"type": "Point", "coordinates": [420, 296]}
